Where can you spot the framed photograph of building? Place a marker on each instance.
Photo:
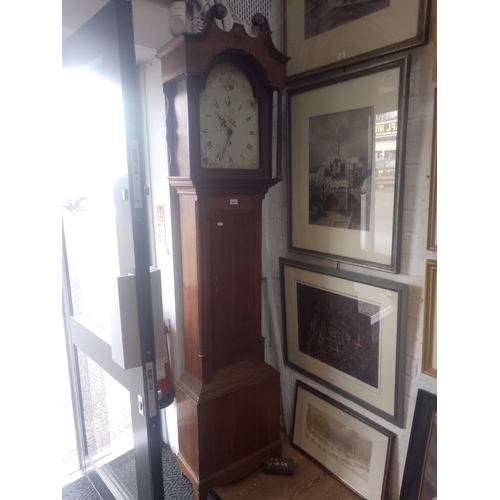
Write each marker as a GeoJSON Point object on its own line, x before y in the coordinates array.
{"type": "Point", "coordinates": [321, 35]}
{"type": "Point", "coordinates": [349, 446]}
{"type": "Point", "coordinates": [420, 472]}
{"type": "Point", "coordinates": [429, 354]}
{"type": "Point", "coordinates": [347, 332]}
{"type": "Point", "coordinates": [347, 135]}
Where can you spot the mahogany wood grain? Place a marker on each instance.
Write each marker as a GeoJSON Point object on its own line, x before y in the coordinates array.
{"type": "Point", "coordinates": [227, 427]}
{"type": "Point", "coordinates": [192, 291]}
{"type": "Point", "coordinates": [193, 53]}
{"type": "Point", "coordinates": [231, 240]}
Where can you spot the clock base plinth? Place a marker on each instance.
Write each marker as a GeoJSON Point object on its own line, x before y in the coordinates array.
{"type": "Point", "coordinates": [228, 426]}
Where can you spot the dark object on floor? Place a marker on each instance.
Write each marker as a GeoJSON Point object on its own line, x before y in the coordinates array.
{"type": "Point", "coordinates": [310, 481]}
{"type": "Point", "coordinates": [175, 485]}
{"type": "Point", "coordinates": [279, 465]}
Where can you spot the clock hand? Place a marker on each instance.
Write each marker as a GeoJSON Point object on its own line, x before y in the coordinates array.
{"type": "Point", "coordinates": [222, 122]}
{"type": "Point", "coordinates": [229, 134]}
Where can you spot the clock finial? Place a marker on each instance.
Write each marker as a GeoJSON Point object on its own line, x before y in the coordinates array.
{"type": "Point", "coordinates": [258, 19]}
{"type": "Point", "coordinates": [219, 11]}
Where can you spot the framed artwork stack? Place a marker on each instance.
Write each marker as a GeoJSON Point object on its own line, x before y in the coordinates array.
{"type": "Point", "coordinates": [348, 86]}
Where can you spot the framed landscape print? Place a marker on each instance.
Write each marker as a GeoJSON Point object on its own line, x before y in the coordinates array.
{"type": "Point", "coordinates": [420, 472]}
{"type": "Point", "coordinates": [352, 448]}
{"type": "Point", "coordinates": [347, 332]}
{"type": "Point", "coordinates": [347, 135]}
{"type": "Point", "coordinates": [326, 34]}
{"type": "Point", "coordinates": [429, 355]}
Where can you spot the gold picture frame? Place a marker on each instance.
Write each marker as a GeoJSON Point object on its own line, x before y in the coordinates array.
{"type": "Point", "coordinates": [325, 35]}
{"type": "Point", "coordinates": [429, 354]}
{"type": "Point", "coordinates": [432, 224]}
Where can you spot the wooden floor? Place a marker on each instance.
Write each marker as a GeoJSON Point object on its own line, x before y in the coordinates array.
{"type": "Point", "coordinates": [309, 482]}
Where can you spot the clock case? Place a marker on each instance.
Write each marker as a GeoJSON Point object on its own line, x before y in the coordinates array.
{"type": "Point", "coordinates": [186, 64]}
{"type": "Point", "coordinates": [228, 397]}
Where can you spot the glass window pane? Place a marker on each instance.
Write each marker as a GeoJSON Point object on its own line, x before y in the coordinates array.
{"type": "Point", "coordinates": [96, 218]}
{"type": "Point", "coordinates": [108, 422]}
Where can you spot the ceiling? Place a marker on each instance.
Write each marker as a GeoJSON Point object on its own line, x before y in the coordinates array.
{"type": "Point", "coordinates": [151, 22]}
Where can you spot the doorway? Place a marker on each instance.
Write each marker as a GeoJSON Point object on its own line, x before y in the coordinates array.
{"type": "Point", "coordinates": [109, 316]}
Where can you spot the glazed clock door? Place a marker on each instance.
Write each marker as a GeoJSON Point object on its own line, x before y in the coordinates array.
{"type": "Point", "coordinates": [108, 303]}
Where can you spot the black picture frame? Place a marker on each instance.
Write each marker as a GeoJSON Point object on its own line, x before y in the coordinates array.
{"type": "Point", "coordinates": [421, 460]}
{"type": "Point", "coordinates": [360, 35]}
{"type": "Point", "coordinates": [333, 333]}
{"type": "Point", "coordinates": [355, 450]}
{"type": "Point", "coordinates": [346, 179]}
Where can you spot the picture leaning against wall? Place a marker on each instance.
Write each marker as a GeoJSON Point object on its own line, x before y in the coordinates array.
{"type": "Point", "coordinates": [349, 446]}
{"type": "Point", "coordinates": [420, 471]}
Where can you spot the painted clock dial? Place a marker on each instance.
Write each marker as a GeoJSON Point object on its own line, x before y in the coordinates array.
{"type": "Point", "coordinates": [229, 120]}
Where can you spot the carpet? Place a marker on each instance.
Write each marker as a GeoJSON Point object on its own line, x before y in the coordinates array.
{"type": "Point", "coordinates": [175, 485]}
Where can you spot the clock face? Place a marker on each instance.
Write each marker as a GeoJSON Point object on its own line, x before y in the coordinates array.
{"type": "Point", "coordinates": [229, 120]}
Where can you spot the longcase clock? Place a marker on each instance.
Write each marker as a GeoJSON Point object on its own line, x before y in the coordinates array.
{"type": "Point", "coordinates": [219, 87]}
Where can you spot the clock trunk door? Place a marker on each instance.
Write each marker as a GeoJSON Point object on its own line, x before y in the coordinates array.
{"type": "Point", "coordinates": [234, 285]}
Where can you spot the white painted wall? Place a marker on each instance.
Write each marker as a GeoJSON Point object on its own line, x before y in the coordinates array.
{"type": "Point", "coordinates": [414, 244]}
{"type": "Point", "coordinates": [164, 254]}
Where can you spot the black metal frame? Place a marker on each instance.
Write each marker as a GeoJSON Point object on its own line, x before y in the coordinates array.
{"type": "Point", "coordinates": [116, 44]}
{"type": "Point", "coordinates": [425, 408]}
{"type": "Point", "coordinates": [403, 63]}
{"type": "Point", "coordinates": [397, 416]}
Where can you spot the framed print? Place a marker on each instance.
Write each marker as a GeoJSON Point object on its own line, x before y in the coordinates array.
{"type": "Point", "coordinates": [347, 134]}
{"type": "Point", "coordinates": [349, 446]}
{"type": "Point", "coordinates": [347, 332]}
{"type": "Point", "coordinates": [420, 472]}
{"type": "Point", "coordinates": [434, 63]}
{"type": "Point", "coordinates": [324, 35]}
{"type": "Point", "coordinates": [429, 354]}
{"type": "Point", "coordinates": [432, 227]}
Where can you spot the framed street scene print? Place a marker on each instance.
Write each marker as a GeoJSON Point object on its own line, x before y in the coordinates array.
{"type": "Point", "coordinates": [346, 145]}
{"type": "Point", "coordinates": [347, 332]}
